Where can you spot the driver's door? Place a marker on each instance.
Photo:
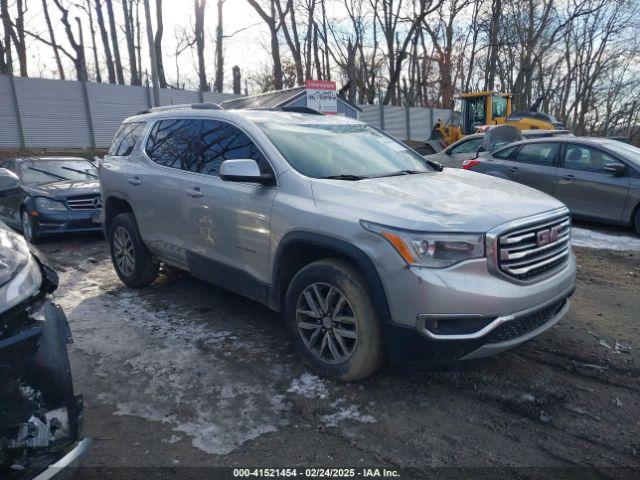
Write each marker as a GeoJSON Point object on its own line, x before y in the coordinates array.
{"type": "Point", "coordinates": [227, 223]}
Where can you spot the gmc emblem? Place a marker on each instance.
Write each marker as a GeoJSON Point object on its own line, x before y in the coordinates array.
{"type": "Point", "coordinates": [548, 235]}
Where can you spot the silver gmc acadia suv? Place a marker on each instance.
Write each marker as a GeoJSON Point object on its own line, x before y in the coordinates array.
{"type": "Point", "coordinates": [369, 250]}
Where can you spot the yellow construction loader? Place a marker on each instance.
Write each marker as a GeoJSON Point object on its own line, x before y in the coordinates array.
{"type": "Point", "coordinates": [475, 111]}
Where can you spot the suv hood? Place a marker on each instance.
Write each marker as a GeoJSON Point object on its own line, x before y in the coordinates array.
{"type": "Point", "coordinates": [65, 188]}
{"type": "Point", "coordinates": [451, 200]}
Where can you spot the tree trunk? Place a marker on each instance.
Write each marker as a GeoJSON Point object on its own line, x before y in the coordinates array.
{"type": "Point", "coordinates": [237, 81]}
{"type": "Point", "coordinates": [94, 47]}
{"type": "Point", "coordinates": [152, 55]}
{"type": "Point", "coordinates": [111, 72]}
{"type": "Point", "coordinates": [493, 45]}
{"type": "Point", "coordinates": [199, 6]}
{"type": "Point", "coordinates": [114, 41]}
{"type": "Point", "coordinates": [52, 36]}
{"type": "Point", "coordinates": [158, 44]}
{"type": "Point", "coordinates": [219, 80]}
{"type": "Point", "coordinates": [127, 13]}
{"type": "Point", "coordinates": [6, 23]}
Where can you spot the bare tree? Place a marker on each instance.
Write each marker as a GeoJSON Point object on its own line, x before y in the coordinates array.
{"type": "Point", "coordinates": [219, 78]}
{"type": "Point", "coordinates": [15, 34]}
{"type": "Point", "coordinates": [114, 42]}
{"type": "Point", "coordinates": [52, 37]}
{"type": "Point", "coordinates": [129, 32]}
{"type": "Point", "coordinates": [199, 6]}
{"type": "Point", "coordinates": [158, 44]}
{"type": "Point", "coordinates": [272, 21]}
{"type": "Point", "coordinates": [111, 72]}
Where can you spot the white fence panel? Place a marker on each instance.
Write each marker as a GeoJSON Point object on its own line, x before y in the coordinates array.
{"type": "Point", "coordinates": [53, 113]}
{"type": "Point", "coordinates": [110, 104]}
{"type": "Point", "coordinates": [9, 132]}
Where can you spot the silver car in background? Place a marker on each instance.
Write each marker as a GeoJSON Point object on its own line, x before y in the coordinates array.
{"type": "Point", "coordinates": [597, 178]}
{"type": "Point", "coordinates": [467, 147]}
{"type": "Point", "coordinates": [369, 251]}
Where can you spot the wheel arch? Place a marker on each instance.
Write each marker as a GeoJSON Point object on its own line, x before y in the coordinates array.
{"type": "Point", "coordinates": [297, 249]}
{"type": "Point", "coordinates": [113, 206]}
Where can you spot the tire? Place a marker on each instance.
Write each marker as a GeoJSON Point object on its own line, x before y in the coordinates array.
{"type": "Point", "coordinates": [636, 222]}
{"type": "Point", "coordinates": [354, 334]}
{"type": "Point", "coordinates": [29, 228]}
{"type": "Point", "coordinates": [131, 259]}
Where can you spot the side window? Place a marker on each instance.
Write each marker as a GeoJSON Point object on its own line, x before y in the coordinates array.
{"type": "Point", "coordinates": [538, 153]}
{"type": "Point", "coordinates": [174, 143]}
{"type": "Point", "coordinates": [577, 157]}
{"type": "Point", "coordinates": [470, 146]}
{"type": "Point", "coordinates": [505, 153]}
{"type": "Point", "coordinates": [126, 138]}
{"type": "Point", "coordinates": [221, 141]}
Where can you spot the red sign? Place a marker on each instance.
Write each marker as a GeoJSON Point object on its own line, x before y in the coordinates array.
{"type": "Point", "coordinates": [320, 85]}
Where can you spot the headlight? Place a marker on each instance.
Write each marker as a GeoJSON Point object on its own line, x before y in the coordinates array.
{"type": "Point", "coordinates": [50, 205]}
{"type": "Point", "coordinates": [14, 254]}
{"type": "Point", "coordinates": [433, 250]}
{"type": "Point", "coordinates": [20, 275]}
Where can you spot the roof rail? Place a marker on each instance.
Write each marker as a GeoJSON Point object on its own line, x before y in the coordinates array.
{"type": "Point", "coordinates": [195, 106]}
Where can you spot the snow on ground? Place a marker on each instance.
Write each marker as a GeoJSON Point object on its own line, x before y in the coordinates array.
{"type": "Point", "coordinates": [219, 384]}
{"type": "Point", "coordinates": [582, 237]}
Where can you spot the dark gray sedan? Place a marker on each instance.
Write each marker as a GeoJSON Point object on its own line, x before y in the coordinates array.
{"type": "Point", "coordinates": [597, 178]}
{"type": "Point", "coordinates": [45, 195]}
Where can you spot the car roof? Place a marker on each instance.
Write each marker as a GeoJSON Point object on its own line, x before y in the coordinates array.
{"type": "Point", "coordinates": [251, 116]}
{"type": "Point", "coordinates": [593, 141]}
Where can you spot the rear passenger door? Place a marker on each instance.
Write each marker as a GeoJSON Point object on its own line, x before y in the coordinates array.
{"type": "Point", "coordinates": [159, 187]}
{"type": "Point", "coordinates": [534, 165]}
{"type": "Point", "coordinates": [586, 188]}
{"type": "Point", "coordinates": [228, 223]}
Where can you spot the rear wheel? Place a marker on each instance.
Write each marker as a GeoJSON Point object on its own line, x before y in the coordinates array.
{"type": "Point", "coordinates": [637, 220]}
{"type": "Point", "coordinates": [330, 314]}
{"type": "Point", "coordinates": [29, 228]}
{"type": "Point", "coordinates": [131, 259]}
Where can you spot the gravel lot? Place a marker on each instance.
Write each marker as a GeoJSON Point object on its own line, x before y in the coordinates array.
{"type": "Point", "coordinates": [187, 374]}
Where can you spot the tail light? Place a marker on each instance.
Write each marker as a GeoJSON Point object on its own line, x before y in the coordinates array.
{"type": "Point", "coordinates": [469, 163]}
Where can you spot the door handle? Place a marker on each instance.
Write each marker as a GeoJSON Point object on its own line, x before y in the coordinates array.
{"type": "Point", "coordinates": [194, 192]}
{"type": "Point", "coordinates": [567, 179]}
{"type": "Point", "coordinates": [134, 180]}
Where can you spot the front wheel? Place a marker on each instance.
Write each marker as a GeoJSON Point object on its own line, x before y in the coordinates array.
{"type": "Point", "coordinates": [29, 228]}
{"type": "Point", "coordinates": [637, 221]}
{"type": "Point", "coordinates": [131, 259]}
{"type": "Point", "coordinates": [330, 314]}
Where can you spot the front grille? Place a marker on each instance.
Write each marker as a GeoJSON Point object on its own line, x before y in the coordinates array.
{"type": "Point", "coordinates": [521, 326]}
{"type": "Point", "coordinates": [85, 202]}
{"type": "Point", "coordinates": [536, 249]}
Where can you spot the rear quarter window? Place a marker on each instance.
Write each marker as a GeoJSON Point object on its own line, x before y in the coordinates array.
{"type": "Point", "coordinates": [125, 138]}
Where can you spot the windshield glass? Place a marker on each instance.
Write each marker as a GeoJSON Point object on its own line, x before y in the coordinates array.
{"type": "Point", "coordinates": [499, 106]}
{"type": "Point", "coordinates": [47, 171]}
{"type": "Point", "coordinates": [625, 150]}
{"type": "Point", "coordinates": [323, 150]}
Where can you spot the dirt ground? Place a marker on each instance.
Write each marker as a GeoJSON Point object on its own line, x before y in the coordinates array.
{"type": "Point", "coordinates": [185, 374]}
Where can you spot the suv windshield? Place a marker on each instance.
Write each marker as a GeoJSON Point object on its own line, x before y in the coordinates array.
{"type": "Point", "coordinates": [350, 151]}
{"type": "Point", "coordinates": [47, 171]}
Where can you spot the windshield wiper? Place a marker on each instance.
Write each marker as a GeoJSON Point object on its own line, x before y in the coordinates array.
{"type": "Point", "coordinates": [80, 171]}
{"type": "Point", "coordinates": [59, 177]}
{"type": "Point", "coordinates": [344, 177]}
{"type": "Point", "coordinates": [400, 172]}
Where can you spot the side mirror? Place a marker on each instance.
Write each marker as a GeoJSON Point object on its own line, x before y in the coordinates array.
{"type": "Point", "coordinates": [9, 181]}
{"type": "Point", "coordinates": [480, 150]}
{"type": "Point", "coordinates": [448, 151]}
{"type": "Point", "coordinates": [615, 169]}
{"type": "Point", "coordinates": [244, 170]}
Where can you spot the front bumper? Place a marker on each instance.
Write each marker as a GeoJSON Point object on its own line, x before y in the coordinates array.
{"type": "Point", "coordinates": [68, 221]}
{"type": "Point", "coordinates": [466, 313]}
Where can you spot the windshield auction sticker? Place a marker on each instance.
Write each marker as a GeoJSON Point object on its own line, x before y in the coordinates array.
{"type": "Point", "coordinates": [322, 96]}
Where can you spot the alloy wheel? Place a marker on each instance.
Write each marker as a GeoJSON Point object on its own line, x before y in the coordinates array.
{"type": "Point", "coordinates": [123, 251]}
{"type": "Point", "coordinates": [327, 323]}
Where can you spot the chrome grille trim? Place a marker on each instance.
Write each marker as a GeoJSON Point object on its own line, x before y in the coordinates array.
{"type": "Point", "coordinates": [513, 251]}
{"type": "Point", "coordinates": [84, 202]}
